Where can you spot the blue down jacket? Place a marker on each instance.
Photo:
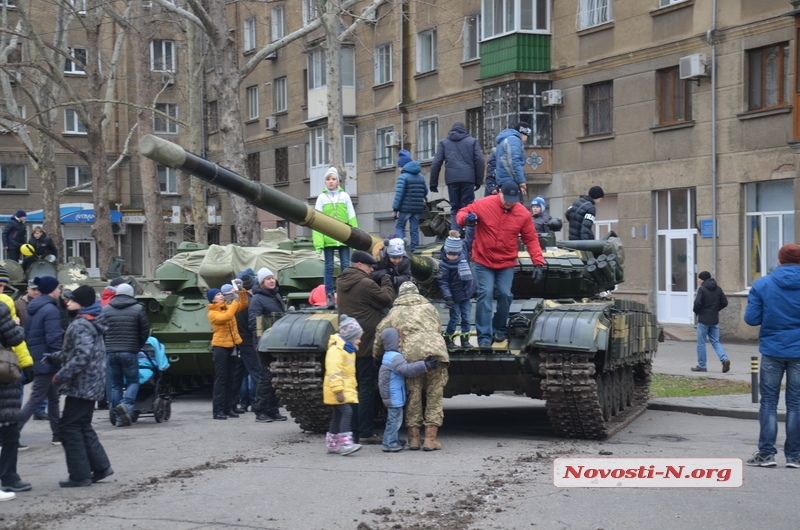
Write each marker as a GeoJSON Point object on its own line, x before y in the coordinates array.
{"type": "Point", "coordinates": [774, 304]}
{"type": "Point", "coordinates": [410, 193]}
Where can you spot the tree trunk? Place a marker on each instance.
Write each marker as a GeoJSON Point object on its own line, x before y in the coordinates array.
{"type": "Point", "coordinates": [333, 54]}
{"type": "Point", "coordinates": [194, 100]}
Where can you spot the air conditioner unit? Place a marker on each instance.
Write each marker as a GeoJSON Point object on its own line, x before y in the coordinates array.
{"type": "Point", "coordinates": [391, 139]}
{"type": "Point", "coordinates": [271, 56]}
{"type": "Point", "coordinates": [167, 79]}
{"type": "Point", "coordinates": [271, 123]}
{"type": "Point", "coordinates": [119, 229]}
{"type": "Point", "coordinates": [552, 98]}
{"type": "Point", "coordinates": [371, 17]}
{"type": "Point", "coordinates": [693, 66]}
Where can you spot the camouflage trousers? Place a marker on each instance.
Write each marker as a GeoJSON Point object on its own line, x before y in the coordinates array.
{"type": "Point", "coordinates": [431, 386]}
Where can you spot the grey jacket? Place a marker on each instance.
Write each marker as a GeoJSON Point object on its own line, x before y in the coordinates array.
{"type": "Point", "coordinates": [83, 359]}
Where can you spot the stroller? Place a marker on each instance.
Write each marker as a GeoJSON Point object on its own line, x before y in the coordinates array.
{"type": "Point", "coordinates": [151, 398]}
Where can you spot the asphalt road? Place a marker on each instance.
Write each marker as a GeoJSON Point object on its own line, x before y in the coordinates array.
{"type": "Point", "coordinates": [495, 472]}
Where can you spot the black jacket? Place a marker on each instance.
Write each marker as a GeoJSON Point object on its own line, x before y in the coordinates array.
{"type": "Point", "coordinates": [14, 234]}
{"type": "Point", "coordinates": [44, 246]}
{"type": "Point", "coordinates": [127, 327]}
{"type": "Point", "coordinates": [710, 300]}
{"type": "Point", "coordinates": [264, 302]}
{"type": "Point", "coordinates": [10, 335]}
{"type": "Point", "coordinates": [581, 218]}
{"type": "Point", "coordinates": [463, 157]}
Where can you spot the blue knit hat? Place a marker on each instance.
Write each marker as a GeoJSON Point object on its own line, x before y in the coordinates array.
{"type": "Point", "coordinates": [211, 294]}
{"type": "Point", "coordinates": [403, 158]}
{"type": "Point", "coordinates": [540, 201]}
{"type": "Point", "coordinates": [453, 243]}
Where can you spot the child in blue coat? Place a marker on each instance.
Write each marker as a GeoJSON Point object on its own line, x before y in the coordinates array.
{"type": "Point", "coordinates": [409, 198]}
{"type": "Point", "coordinates": [457, 284]}
{"type": "Point", "coordinates": [392, 384]}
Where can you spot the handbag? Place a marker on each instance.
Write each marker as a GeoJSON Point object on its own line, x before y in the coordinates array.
{"type": "Point", "coordinates": [9, 366]}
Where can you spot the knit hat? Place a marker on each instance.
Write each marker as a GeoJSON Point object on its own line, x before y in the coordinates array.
{"type": "Point", "coordinates": [391, 339]}
{"type": "Point", "coordinates": [540, 201]}
{"type": "Point", "coordinates": [789, 253]}
{"type": "Point", "coordinates": [596, 192]}
{"type": "Point", "coordinates": [333, 171]}
{"type": "Point", "coordinates": [4, 275]}
{"type": "Point", "coordinates": [46, 284]}
{"type": "Point", "coordinates": [408, 288]}
{"type": "Point", "coordinates": [247, 281]}
{"type": "Point", "coordinates": [396, 248]}
{"type": "Point", "coordinates": [20, 213]}
{"type": "Point", "coordinates": [211, 294]}
{"type": "Point", "coordinates": [116, 281]}
{"type": "Point", "coordinates": [453, 243]}
{"type": "Point", "coordinates": [705, 275]}
{"type": "Point", "coordinates": [349, 328]}
{"type": "Point", "coordinates": [263, 272]}
{"type": "Point", "coordinates": [226, 288]}
{"type": "Point", "coordinates": [510, 191]}
{"type": "Point", "coordinates": [359, 256]}
{"type": "Point", "coordinates": [403, 158]}
{"type": "Point", "coordinates": [523, 128]}
{"type": "Point", "coordinates": [83, 295]}
{"type": "Point", "coordinates": [124, 288]}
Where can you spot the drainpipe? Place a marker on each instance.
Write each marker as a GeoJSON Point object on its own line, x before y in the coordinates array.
{"type": "Point", "coordinates": [711, 38]}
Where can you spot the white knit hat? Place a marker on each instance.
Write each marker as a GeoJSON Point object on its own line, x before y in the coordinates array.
{"type": "Point", "coordinates": [263, 272]}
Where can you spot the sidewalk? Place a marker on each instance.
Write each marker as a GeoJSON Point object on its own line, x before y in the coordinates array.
{"type": "Point", "coordinates": [678, 354]}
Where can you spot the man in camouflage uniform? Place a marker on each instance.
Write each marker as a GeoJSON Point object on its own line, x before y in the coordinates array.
{"type": "Point", "coordinates": [419, 325]}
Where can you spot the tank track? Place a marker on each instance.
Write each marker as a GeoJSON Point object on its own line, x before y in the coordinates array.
{"type": "Point", "coordinates": [297, 379]}
{"type": "Point", "coordinates": [584, 404]}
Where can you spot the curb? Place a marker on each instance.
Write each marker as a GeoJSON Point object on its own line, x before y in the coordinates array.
{"type": "Point", "coordinates": [709, 411]}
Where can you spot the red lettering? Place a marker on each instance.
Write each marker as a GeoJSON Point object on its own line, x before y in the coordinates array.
{"type": "Point", "coordinates": [590, 473]}
{"type": "Point", "coordinates": [631, 473]}
{"type": "Point", "coordinates": [675, 473]}
{"type": "Point", "coordinates": [618, 473]}
{"type": "Point", "coordinates": [576, 473]}
{"type": "Point", "coordinates": [698, 473]}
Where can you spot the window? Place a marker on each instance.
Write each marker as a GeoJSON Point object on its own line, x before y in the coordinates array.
{"type": "Point", "coordinates": [252, 102]}
{"type": "Point", "coordinates": [348, 66]}
{"type": "Point", "coordinates": [501, 17]}
{"type": "Point", "coordinates": [665, 3]}
{"type": "Point", "coordinates": [213, 116]}
{"type": "Point", "coordinates": [162, 123]}
{"type": "Point", "coordinates": [8, 3]}
{"type": "Point", "coordinates": [427, 137]}
{"type": "Point", "coordinates": [167, 179]}
{"type": "Point", "coordinates": [252, 166]}
{"type": "Point", "coordinates": [505, 104]}
{"type": "Point", "coordinates": [78, 62]}
{"type": "Point", "coordinates": [674, 96]}
{"type": "Point", "coordinates": [282, 165]}
{"type": "Point", "coordinates": [162, 56]}
{"type": "Point", "coordinates": [472, 37]}
{"type": "Point", "coordinates": [73, 124]}
{"type": "Point", "coordinates": [172, 249]}
{"type": "Point", "coordinates": [281, 96]}
{"type": "Point", "coordinates": [384, 155]}
{"type": "Point", "coordinates": [475, 125]}
{"type": "Point", "coordinates": [426, 51]}
{"type": "Point", "coordinates": [250, 34]}
{"type": "Point", "coordinates": [598, 104]}
{"type": "Point", "coordinates": [593, 13]}
{"type": "Point", "coordinates": [383, 64]}
{"type": "Point", "coordinates": [278, 23]}
{"type": "Point", "coordinates": [79, 6]}
{"type": "Point", "coordinates": [12, 177]}
{"type": "Point", "coordinates": [77, 175]}
{"type": "Point", "coordinates": [318, 144]}
{"type": "Point", "coordinates": [768, 76]}
{"type": "Point", "coordinates": [316, 69]}
{"type": "Point", "coordinates": [310, 11]}
{"type": "Point", "coordinates": [769, 225]}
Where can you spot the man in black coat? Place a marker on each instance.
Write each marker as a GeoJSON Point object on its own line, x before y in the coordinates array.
{"type": "Point", "coordinates": [14, 235]}
{"type": "Point", "coordinates": [581, 214]}
{"type": "Point", "coordinates": [127, 332]}
{"type": "Point", "coordinates": [710, 300]}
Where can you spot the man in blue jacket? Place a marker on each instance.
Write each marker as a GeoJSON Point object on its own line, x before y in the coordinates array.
{"type": "Point", "coordinates": [774, 304]}
{"type": "Point", "coordinates": [464, 167]}
{"type": "Point", "coordinates": [510, 156]}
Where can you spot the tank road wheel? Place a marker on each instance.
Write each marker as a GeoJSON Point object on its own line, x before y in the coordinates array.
{"type": "Point", "coordinates": [297, 379]}
{"type": "Point", "coordinates": [158, 410]}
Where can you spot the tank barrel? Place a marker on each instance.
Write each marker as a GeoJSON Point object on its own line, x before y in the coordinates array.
{"type": "Point", "coordinates": [259, 195]}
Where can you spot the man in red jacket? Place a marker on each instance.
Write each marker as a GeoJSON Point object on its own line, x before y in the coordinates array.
{"type": "Point", "coordinates": [499, 220]}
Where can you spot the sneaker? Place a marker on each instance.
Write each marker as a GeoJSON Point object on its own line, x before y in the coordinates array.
{"type": "Point", "coordinates": [485, 346]}
{"type": "Point", "coordinates": [41, 416]}
{"type": "Point", "coordinates": [124, 417]}
{"type": "Point", "coordinates": [263, 418]}
{"type": "Point", "coordinates": [794, 463]}
{"type": "Point", "coordinates": [7, 496]}
{"type": "Point", "coordinates": [726, 366]}
{"type": "Point", "coordinates": [56, 440]}
{"type": "Point", "coordinates": [107, 472]}
{"type": "Point", "coordinates": [760, 460]}
{"type": "Point", "coordinates": [22, 447]}
{"type": "Point", "coordinates": [391, 448]}
{"type": "Point", "coordinates": [498, 337]}
{"type": "Point", "coordinates": [699, 369]}
{"type": "Point", "coordinates": [220, 416]}
{"type": "Point", "coordinates": [277, 417]}
{"type": "Point", "coordinates": [17, 486]}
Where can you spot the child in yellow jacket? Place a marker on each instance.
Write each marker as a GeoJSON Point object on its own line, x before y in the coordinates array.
{"type": "Point", "coordinates": [340, 388]}
{"type": "Point", "coordinates": [226, 336]}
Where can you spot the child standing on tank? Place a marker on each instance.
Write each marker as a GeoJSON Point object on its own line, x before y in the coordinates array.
{"type": "Point", "coordinates": [335, 202]}
{"type": "Point", "coordinates": [409, 198]}
{"type": "Point", "coordinates": [457, 284]}
{"type": "Point", "coordinates": [339, 387]}
{"type": "Point", "coordinates": [392, 385]}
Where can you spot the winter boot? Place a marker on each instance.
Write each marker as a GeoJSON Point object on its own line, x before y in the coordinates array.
{"type": "Point", "coordinates": [465, 341]}
{"type": "Point", "coordinates": [346, 445]}
{"type": "Point", "coordinates": [448, 341]}
{"type": "Point", "coordinates": [430, 439]}
{"type": "Point", "coordinates": [413, 438]}
{"type": "Point", "coordinates": [332, 443]}
{"type": "Point", "coordinates": [331, 303]}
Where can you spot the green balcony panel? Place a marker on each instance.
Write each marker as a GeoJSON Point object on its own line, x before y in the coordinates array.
{"type": "Point", "coordinates": [517, 52]}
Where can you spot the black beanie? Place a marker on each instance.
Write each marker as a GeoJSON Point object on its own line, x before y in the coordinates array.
{"type": "Point", "coordinates": [596, 192]}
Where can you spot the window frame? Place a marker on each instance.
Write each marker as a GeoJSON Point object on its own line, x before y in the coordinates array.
{"type": "Point", "coordinates": [673, 94]}
{"type": "Point", "coordinates": [249, 34]}
{"type": "Point", "coordinates": [318, 147]}
{"type": "Point", "coordinates": [278, 23]}
{"type": "Point", "coordinates": [592, 102]}
{"type": "Point", "coordinates": [79, 6]}
{"type": "Point", "coordinates": [506, 103]}
{"type": "Point", "coordinates": [384, 155]}
{"type": "Point", "coordinates": [766, 259]}
{"type": "Point", "coordinates": [430, 35]}
{"type": "Point", "coordinates": [427, 138]}
{"type": "Point", "coordinates": [280, 91]}
{"type": "Point", "coordinates": [74, 179]}
{"type": "Point", "coordinates": [281, 165]}
{"type": "Point", "coordinates": [317, 69]}
{"type": "Point", "coordinates": [78, 127]}
{"type": "Point", "coordinates": [252, 102]}
{"type": "Point", "coordinates": [539, 18]}
{"type": "Point", "coordinates": [667, 3]}
{"type": "Point", "coordinates": [73, 66]}
{"type": "Point", "coordinates": [170, 176]}
{"type": "Point", "coordinates": [472, 38]}
{"type": "Point", "coordinates": [4, 170]}
{"type": "Point", "coordinates": [781, 81]}
{"type": "Point", "coordinates": [311, 11]}
{"type": "Point", "coordinates": [168, 123]}
{"type": "Point", "coordinates": [162, 44]}
{"type": "Point", "coordinates": [592, 13]}
{"type": "Point", "coordinates": [383, 64]}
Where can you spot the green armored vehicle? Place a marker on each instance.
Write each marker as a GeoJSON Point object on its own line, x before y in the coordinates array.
{"type": "Point", "coordinates": [588, 356]}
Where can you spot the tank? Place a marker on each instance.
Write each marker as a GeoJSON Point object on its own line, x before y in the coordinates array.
{"type": "Point", "coordinates": [587, 355]}
{"type": "Point", "coordinates": [70, 275]}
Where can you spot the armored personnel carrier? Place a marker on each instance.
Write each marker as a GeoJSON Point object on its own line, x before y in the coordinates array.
{"type": "Point", "coordinates": [587, 355]}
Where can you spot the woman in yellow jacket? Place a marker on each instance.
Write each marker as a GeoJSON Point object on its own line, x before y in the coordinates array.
{"type": "Point", "coordinates": [340, 388]}
{"type": "Point", "coordinates": [226, 336]}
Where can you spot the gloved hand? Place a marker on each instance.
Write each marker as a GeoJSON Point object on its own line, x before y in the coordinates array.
{"type": "Point", "coordinates": [538, 274]}
{"type": "Point", "coordinates": [340, 397]}
{"type": "Point", "coordinates": [477, 187]}
{"type": "Point", "coordinates": [431, 362]}
{"type": "Point", "coordinates": [434, 189]}
{"type": "Point", "coordinates": [238, 284]}
{"type": "Point", "coordinates": [48, 359]}
{"type": "Point", "coordinates": [28, 373]}
{"type": "Point", "coordinates": [395, 214]}
{"type": "Point", "coordinates": [448, 302]}
{"type": "Point", "coordinates": [472, 219]}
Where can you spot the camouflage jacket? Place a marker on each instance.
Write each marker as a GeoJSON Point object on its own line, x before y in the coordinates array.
{"type": "Point", "coordinates": [419, 324]}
